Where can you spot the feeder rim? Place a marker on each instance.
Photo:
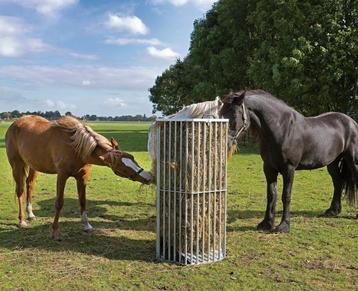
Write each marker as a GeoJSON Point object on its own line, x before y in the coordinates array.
{"type": "Point", "coordinates": [193, 120]}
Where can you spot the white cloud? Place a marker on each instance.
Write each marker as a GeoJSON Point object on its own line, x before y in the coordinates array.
{"type": "Point", "coordinates": [59, 105]}
{"type": "Point", "coordinates": [14, 39]}
{"type": "Point", "coordinates": [46, 7]}
{"type": "Point", "coordinates": [203, 4]}
{"type": "Point", "coordinates": [131, 24]}
{"type": "Point", "coordinates": [166, 53]}
{"type": "Point", "coordinates": [129, 41]}
{"type": "Point", "coordinates": [115, 102]}
{"type": "Point", "coordinates": [11, 25]}
{"type": "Point", "coordinates": [78, 76]}
{"type": "Point", "coordinates": [86, 82]}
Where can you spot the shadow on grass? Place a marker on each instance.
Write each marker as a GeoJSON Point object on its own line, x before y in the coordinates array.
{"type": "Point", "coordinates": [237, 215]}
{"type": "Point", "coordinates": [100, 243]}
{"type": "Point", "coordinates": [247, 149]}
{"type": "Point", "coordinates": [99, 208]}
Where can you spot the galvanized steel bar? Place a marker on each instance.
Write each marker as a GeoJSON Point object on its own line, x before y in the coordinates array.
{"type": "Point", "coordinates": [181, 190]}
{"type": "Point", "coordinates": [209, 188]}
{"type": "Point", "coordinates": [175, 194]}
{"type": "Point", "coordinates": [204, 192]}
{"type": "Point", "coordinates": [186, 195]}
{"type": "Point", "coordinates": [157, 127]}
{"type": "Point", "coordinates": [225, 207]}
{"type": "Point", "coordinates": [221, 185]}
{"type": "Point", "coordinates": [192, 190]}
{"type": "Point", "coordinates": [198, 188]}
{"type": "Point", "coordinates": [164, 179]}
{"type": "Point", "coordinates": [169, 187]}
{"type": "Point", "coordinates": [215, 172]}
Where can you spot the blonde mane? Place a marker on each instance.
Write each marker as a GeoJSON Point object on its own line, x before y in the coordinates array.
{"type": "Point", "coordinates": [83, 138]}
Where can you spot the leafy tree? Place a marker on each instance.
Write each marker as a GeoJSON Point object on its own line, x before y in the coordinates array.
{"type": "Point", "coordinates": [305, 52]}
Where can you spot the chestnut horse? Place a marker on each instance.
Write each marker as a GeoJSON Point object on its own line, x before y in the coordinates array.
{"type": "Point", "coordinates": [67, 148]}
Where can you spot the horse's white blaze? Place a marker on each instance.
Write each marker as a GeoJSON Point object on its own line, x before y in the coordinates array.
{"type": "Point", "coordinates": [84, 219]}
{"type": "Point", "coordinates": [146, 175]}
{"type": "Point", "coordinates": [130, 164]}
{"type": "Point", "coordinates": [30, 214]}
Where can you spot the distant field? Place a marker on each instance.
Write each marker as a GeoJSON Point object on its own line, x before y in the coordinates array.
{"type": "Point", "coordinates": [319, 253]}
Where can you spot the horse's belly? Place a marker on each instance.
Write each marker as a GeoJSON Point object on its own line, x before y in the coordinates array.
{"type": "Point", "coordinates": [311, 163]}
{"type": "Point", "coordinates": [38, 156]}
{"type": "Point", "coordinates": [43, 165]}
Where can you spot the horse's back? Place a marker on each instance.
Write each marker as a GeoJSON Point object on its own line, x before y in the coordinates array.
{"type": "Point", "coordinates": [326, 137]}
{"type": "Point", "coordinates": [34, 140]}
{"type": "Point", "coordinates": [337, 123]}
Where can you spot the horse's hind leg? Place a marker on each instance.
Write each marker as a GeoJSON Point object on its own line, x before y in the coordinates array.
{"type": "Point", "coordinates": [19, 174]}
{"type": "Point", "coordinates": [335, 173]}
{"type": "Point", "coordinates": [61, 183]}
{"type": "Point", "coordinates": [82, 179]}
{"type": "Point", "coordinates": [30, 184]}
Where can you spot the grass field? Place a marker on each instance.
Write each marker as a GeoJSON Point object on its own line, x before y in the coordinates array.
{"type": "Point", "coordinates": [319, 253]}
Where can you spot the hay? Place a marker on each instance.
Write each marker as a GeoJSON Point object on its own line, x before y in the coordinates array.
{"type": "Point", "coordinates": [192, 190]}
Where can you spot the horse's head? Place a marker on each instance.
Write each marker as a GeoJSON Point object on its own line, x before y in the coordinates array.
{"type": "Point", "coordinates": [124, 165]}
{"type": "Point", "coordinates": [234, 109]}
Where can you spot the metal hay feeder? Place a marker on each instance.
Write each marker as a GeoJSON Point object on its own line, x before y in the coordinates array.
{"type": "Point", "coordinates": [191, 190]}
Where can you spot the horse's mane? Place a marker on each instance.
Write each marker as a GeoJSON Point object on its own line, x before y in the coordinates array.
{"type": "Point", "coordinates": [83, 138]}
{"type": "Point", "coordinates": [207, 109]}
{"type": "Point", "coordinates": [257, 92]}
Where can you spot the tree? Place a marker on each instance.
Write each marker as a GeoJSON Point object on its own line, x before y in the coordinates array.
{"type": "Point", "coordinates": [307, 53]}
{"type": "Point", "coordinates": [304, 52]}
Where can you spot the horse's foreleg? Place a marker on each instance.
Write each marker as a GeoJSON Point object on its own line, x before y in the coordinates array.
{"type": "Point", "coordinates": [334, 171]}
{"type": "Point", "coordinates": [30, 184]}
{"type": "Point", "coordinates": [288, 176]}
{"type": "Point", "coordinates": [81, 189]}
{"type": "Point", "coordinates": [61, 182]}
{"type": "Point", "coordinates": [271, 179]}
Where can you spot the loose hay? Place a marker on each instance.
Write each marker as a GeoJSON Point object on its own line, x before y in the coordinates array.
{"type": "Point", "coordinates": [191, 195]}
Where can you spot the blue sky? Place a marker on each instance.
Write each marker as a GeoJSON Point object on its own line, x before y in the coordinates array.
{"type": "Point", "coordinates": [94, 56]}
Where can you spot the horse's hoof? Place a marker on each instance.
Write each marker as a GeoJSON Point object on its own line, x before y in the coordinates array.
{"type": "Point", "coordinates": [283, 227]}
{"type": "Point", "coordinates": [22, 224]}
{"type": "Point", "coordinates": [56, 237]}
{"type": "Point", "coordinates": [89, 229]}
{"type": "Point", "coordinates": [330, 213]}
{"type": "Point", "coordinates": [265, 225]}
{"type": "Point", "coordinates": [31, 217]}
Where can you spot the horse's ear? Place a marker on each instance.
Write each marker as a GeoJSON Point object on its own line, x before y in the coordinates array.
{"type": "Point", "coordinates": [238, 98]}
{"type": "Point", "coordinates": [218, 100]}
{"type": "Point", "coordinates": [105, 159]}
{"type": "Point", "coordinates": [115, 144]}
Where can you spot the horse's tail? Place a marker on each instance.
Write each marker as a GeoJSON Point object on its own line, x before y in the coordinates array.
{"type": "Point", "coordinates": [350, 184]}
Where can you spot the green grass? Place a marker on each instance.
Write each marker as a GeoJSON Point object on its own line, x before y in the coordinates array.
{"type": "Point", "coordinates": [319, 253]}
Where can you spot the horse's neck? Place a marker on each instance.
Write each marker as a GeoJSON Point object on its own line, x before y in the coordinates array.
{"type": "Point", "coordinates": [94, 159]}
{"type": "Point", "coordinates": [265, 114]}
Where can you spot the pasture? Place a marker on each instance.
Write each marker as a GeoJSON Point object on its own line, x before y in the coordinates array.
{"type": "Point", "coordinates": [319, 253]}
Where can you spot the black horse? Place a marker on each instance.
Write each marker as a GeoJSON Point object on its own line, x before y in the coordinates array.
{"type": "Point", "coordinates": [289, 141]}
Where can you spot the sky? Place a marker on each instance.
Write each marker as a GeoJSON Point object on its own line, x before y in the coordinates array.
{"type": "Point", "coordinates": [90, 56]}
